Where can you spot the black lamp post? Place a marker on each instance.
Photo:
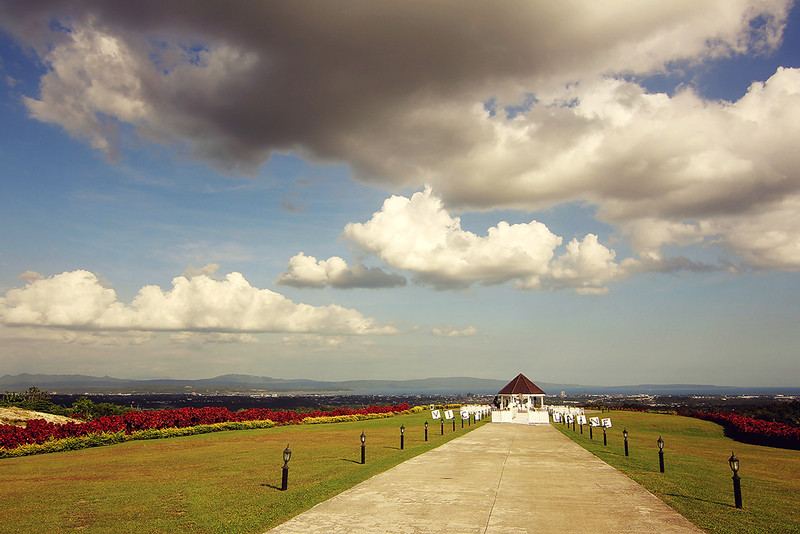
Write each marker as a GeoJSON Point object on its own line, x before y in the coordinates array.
{"type": "Point", "coordinates": [737, 485]}
{"type": "Point", "coordinates": [287, 455]}
{"type": "Point", "coordinates": [363, 446]}
{"type": "Point", "coordinates": [590, 432]}
{"type": "Point", "coordinates": [573, 424]}
{"type": "Point", "coordinates": [426, 431]}
{"type": "Point", "coordinates": [402, 436]}
{"type": "Point", "coordinates": [454, 424]}
{"type": "Point", "coordinates": [605, 440]}
{"type": "Point", "coordinates": [660, 454]}
{"type": "Point", "coordinates": [442, 420]}
{"type": "Point", "coordinates": [625, 435]}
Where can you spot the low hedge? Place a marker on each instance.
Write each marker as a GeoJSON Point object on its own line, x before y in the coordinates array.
{"type": "Point", "coordinates": [345, 418]}
{"type": "Point", "coordinates": [109, 438]}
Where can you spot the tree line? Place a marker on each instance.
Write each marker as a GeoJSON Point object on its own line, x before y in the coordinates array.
{"type": "Point", "coordinates": [38, 400]}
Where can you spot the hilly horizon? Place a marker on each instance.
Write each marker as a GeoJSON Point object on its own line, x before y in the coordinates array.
{"type": "Point", "coordinates": [241, 383]}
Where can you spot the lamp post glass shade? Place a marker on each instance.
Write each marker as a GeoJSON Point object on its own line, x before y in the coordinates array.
{"type": "Point", "coordinates": [403, 429]}
{"type": "Point", "coordinates": [363, 437]}
{"type": "Point", "coordinates": [287, 454]}
{"type": "Point", "coordinates": [660, 443]}
{"type": "Point", "coordinates": [625, 433]}
{"type": "Point", "coordinates": [734, 462]}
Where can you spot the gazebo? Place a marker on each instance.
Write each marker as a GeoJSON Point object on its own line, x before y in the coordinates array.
{"type": "Point", "coordinates": [520, 401]}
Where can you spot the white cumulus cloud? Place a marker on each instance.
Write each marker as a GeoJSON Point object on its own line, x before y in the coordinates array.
{"type": "Point", "coordinates": [586, 266]}
{"type": "Point", "coordinates": [418, 235]}
{"type": "Point", "coordinates": [306, 271]}
{"type": "Point", "coordinates": [76, 300]}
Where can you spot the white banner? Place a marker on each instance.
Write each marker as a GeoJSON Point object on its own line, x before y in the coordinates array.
{"type": "Point", "coordinates": [478, 416]}
{"type": "Point", "coordinates": [556, 417]}
{"type": "Point", "coordinates": [435, 414]}
{"type": "Point", "coordinates": [607, 423]}
{"type": "Point", "coordinates": [581, 419]}
{"type": "Point", "coordinates": [448, 414]}
{"type": "Point", "coordinates": [594, 421]}
{"type": "Point", "coordinates": [464, 415]}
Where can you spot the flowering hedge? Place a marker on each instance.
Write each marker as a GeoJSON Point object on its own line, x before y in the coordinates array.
{"type": "Point", "coordinates": [110, 438]}
{"type": "Point", "coordinates": [756, 431]}
{"type": "Point", "coordinates": [39, 431]}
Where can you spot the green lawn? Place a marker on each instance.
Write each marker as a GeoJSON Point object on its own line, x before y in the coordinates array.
{"type": "Point", "coordinates": [221, 482]}
{"type": "Point", "coordinates": [697, 479]}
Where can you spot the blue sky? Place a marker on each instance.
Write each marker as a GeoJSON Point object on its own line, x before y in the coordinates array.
{"type": "Point", "coordinates": [583, 194]}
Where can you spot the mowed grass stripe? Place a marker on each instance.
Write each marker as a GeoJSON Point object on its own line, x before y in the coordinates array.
{"type": "Point", "coordinates": [697, 480]}
{"type": "Point", "coordinates": [221, 482]}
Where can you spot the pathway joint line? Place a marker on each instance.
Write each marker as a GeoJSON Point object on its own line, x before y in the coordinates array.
{"type": "Point", "coordinates": [500, 481]}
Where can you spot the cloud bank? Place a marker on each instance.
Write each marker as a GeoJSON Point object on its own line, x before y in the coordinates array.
{"type": "Point", "coordinates": [76, 300]}
{"type": "Point", "coordinates": [419, 236]}
{"type": "Point", "coordinates": [494, 106]}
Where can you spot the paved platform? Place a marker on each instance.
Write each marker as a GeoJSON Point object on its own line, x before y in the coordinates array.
{"type": "Point", "coordinates": [501, 478]}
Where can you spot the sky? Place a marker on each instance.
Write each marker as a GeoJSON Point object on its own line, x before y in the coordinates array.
{"type": "Point", "coordinates": [602, 193]}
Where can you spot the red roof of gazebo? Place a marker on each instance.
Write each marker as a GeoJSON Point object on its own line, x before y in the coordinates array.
{"type": "Point", "coordinates": [521, 386]}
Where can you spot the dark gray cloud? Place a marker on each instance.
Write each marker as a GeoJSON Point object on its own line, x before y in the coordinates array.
{"type": "Point", "coordinates": [367, 277]}
{"type": "Point", "coordinates": [240, 80]}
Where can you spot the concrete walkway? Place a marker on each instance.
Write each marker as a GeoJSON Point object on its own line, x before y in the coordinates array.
{"type": "Point", "coordinates": [500, 479]}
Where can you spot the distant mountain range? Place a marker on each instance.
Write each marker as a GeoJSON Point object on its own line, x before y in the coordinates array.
{"type": "Point", "coordinates": [235, 383]}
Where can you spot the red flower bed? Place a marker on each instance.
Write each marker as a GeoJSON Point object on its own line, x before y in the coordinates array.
{"type": "Point", "coordinates": [749, 430]}
{"type": "Point", "coordinates": [39, 430]}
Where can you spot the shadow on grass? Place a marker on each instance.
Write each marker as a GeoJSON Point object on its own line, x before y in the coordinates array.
{"type": "Point", "coordinates": [271, 486]}
{"type": "Point", "coordinates": [351, 461]}
{"type": "Point", "coordinates": [679, 496]}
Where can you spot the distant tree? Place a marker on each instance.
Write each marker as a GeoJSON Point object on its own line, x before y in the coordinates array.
{"type": "Point", "coordinates": [85, 408]}
{"type": "Point", "coordinates": [108, 408]}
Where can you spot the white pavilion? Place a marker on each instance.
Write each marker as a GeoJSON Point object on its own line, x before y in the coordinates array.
{"type": "Point", "coordinates": [521, 401]}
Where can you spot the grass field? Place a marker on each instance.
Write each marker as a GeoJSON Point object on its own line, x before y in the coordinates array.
{"type": "Point", "coordinates": [697, 479]}
{"type": "Point", "coordinates": [211, 483]}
